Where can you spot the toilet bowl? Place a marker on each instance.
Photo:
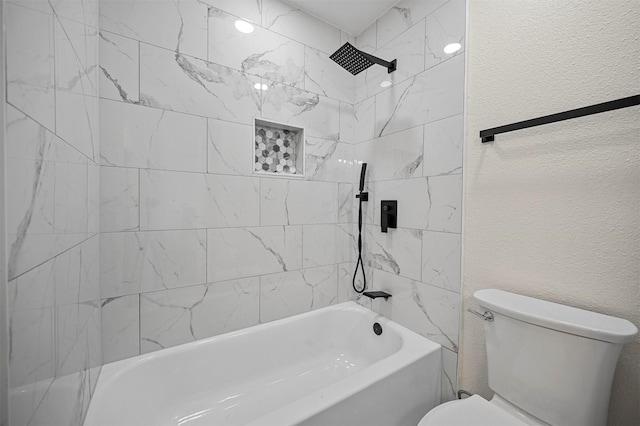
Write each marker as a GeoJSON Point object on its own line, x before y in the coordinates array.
{"type": "Point", "coordinates": [548, 364]}
{"type": "Point", "coordinates": [477, 411]}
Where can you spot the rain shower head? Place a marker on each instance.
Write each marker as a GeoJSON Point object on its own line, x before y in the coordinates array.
{"type": "Point", "coordinates": [355, 61]}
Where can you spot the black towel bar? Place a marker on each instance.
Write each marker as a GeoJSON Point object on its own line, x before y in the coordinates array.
{"type": "Point", "coordinates": [488, 135]}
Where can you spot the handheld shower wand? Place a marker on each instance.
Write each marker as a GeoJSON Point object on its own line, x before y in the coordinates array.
{"type": "Point", "coordinates": [362, 196]}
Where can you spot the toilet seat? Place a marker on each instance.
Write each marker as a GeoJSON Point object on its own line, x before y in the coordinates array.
{"type": "Point", "coordinates": [472, 411]}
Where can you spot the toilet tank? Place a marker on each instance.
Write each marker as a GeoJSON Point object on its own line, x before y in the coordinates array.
{"type": "Point", "coordinates": [553, 361]}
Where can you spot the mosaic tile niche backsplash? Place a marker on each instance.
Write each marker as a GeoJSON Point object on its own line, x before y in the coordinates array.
{"type": "Point", "coordinates": [279, 149]}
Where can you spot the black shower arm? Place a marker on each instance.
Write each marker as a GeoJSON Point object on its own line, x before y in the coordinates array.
{"type": "Point", "coordinates": [390, 66]}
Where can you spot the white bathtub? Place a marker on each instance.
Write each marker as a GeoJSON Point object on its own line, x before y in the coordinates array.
{"type": "Point", "coordinates": [325, 367]}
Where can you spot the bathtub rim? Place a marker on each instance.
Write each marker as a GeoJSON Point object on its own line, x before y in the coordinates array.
{"type": "Point", "coordinates": [414, 347]}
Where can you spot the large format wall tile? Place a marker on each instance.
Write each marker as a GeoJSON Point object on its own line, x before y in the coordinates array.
{"type": "Point", "coordinates": [295, 292]}
{"type": "Point", "coordinates": [443, 144]}
{"type": "Point", "coordinates": [402, 17]}
{"type": "Point", "coordinates": [413, 200]}
{"type": "Point", "coordinates": [395, 156]}
{"type": "Point", "coordinates": [119, 199]}
{"type": "Point", "coordinates": [175, 200]}
{"type": "Point", "coordinates": [444, 26]}
{"type": "Point", "coordinates": [30, 62]}
{"type": "Point", "coordinates": [177, 82]}
{"type": "Point", "coordinates": [427, 310]}
{"type": "Point", "coordinates": [76, 57]}
{"type": "Point", "coordinates": [441, 260]}
{"type": "Point", "coordinates": [172, 317]}
{"type": "Point", "coordinates": [319, 115]}
{"type": "Point", "coordinates": [120, 327]}
{"type": "Point", "coordinates": [327, 244]}
{"type": "Point", "coordinates": [397, 251]}
{"type": "Point", "coordinates": [247, 252]}
{"type": "Point", "coordinates": [431, 95]}
{"type": "Point", "coordinates": [295, 202]}
{"type": "Point", "coordinates": [446, 203]}
{"type": "Point", "coordinates": [328, 160]}
{"type": "Point", "coordinates": [179, 25]}
{"type": "Point", "coordinates": [262, 52]}
{"type": "Point", "coordinates": [323, 76]}
{"type": "Point", "coordinates": [150, 138]}
{"type": "Point", "coordinates": [230, 148]}
{"type": "Point", "coordinates": [119, 64]}
{"type": "Point", "coordinates": [250, 10]}
{"type": "Point", "coordinates": [294, 23]}
{"type": "Point", "coordinates": [407, 49]}
{"type": "Point", "coordinates": [137, 262]}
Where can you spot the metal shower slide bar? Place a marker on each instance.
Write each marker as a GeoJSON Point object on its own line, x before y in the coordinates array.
{"type": "Point", "coordinates": [488, 135]}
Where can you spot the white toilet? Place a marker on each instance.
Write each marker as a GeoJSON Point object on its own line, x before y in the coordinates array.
{"type": "Point", "coordinates": [549, 364]}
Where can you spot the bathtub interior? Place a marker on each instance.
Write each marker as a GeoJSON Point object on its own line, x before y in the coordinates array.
{"type": "Point", "coordinates": [242, 376]}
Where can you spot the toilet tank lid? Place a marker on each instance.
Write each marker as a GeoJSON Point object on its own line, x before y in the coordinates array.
{"type": "Point", "coordinates": [557, 317]}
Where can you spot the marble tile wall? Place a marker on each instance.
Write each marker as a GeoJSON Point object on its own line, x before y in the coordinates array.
{"type": "Point", "coordinates": [411, 136]}
{"type": "Point", "coordinates": [193, 244]}
{"type": "Point", "coordinates": [53, 209]}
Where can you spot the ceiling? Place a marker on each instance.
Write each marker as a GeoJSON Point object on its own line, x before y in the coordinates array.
{"type": "Point", "coordinates": [351, 16]}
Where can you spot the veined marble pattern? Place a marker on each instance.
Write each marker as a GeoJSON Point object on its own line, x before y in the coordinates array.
{"type": "Point", "coordinates": [441, 260]}
{"type": "Point", "coordinates": [346, 195]}
{"type": "Point", "coordinates": [250, 10]}
{"type": "Point", "coordinates": [446, 203]}
{"type": "Point", "coordinates": [345, 284]}
{"type": "Point", "coordinates": [328, 161]}
{"type": "Point", "coordinates": [262, 52]}
{"type": "Point", "coordinates": [176, 200]}
{"type": "Point", "coordinates": [71, 392]}
{"type": "Point", "coordinates": [347, 123]}
{"type": "Point", "coordinates": [413, 199]}
{"type": "Point", "coordinates": [396, 156]}
{"type": "Point", "coordinates": [30, 62]}
{"type": "Point", "coordinates": [33, 290]}
{"type": "Point", "coordinates": [119, 199]}
{"type": "Point", "coordinates": [366, 41]}
{"type": "Point", "coordinates": [173, 81]}
{"type": "Point", "coordinates": [72, 336]}
{"type": "Point", "coordinates": [327, 244]}
{"type": "Point", "coordinates": [397, 252]}
{"type": "Point", "coordinates": [138, 262]}
{"type": "Point", "coordinates": [408, 49]}
{"type": "Point", "coordinates": [284, 19]}
{"type": "Point", "coordinates": [427, 310]}
{"type": "Point", "coordinates": [247, 252]}
{"type": "Point", "coordinates": [46, 175]}
{"type": "Point", "coordinates": [93, 199]}
{"type": "Point", "coordinates": [77, 273]}
{"type": "Point", "coordinates": [431, 95]}
{"type": "Point", "coordinates": [120, 328]}
{"type": "Point", "coordinates": [76, 60]}
{"type": "Point", "coordinates": [136, 136]}
{"type": "Point", "coordinates": [289, 202]}
{"type": "Point", "coordinates": [449, 386]}
{"type": "Point", "coordinates": [32, 356]}
{"type": "Point", "coordinates": [169, 318]}
{"type": "Point", "coordinates": [295, 292]}
{"type": "Point", "coordinates": [82, 11]}
{"type": "Point", "coordinates": [77, 122]}
{"type": "Point", "coordinates": [119, 65]}
{"type": "Point", "coordinates": [445, 25]}
{"type": "Point", "coordinates": [443, 145]}
{"type": "Point", "coordinates": [24, 400]}
{"type": "Point", "coordinates": [179, 25]}
{"type": "Point", "coordinates": [365, 120]}
{"type": "Point", "coordinates": [402, 17]}
{"type": "Point", "coordinates": [230, 148]}
{"type": "Point", "coordinates": [319, 115]}
{"type": "Point", "coordinates": [324, 76]}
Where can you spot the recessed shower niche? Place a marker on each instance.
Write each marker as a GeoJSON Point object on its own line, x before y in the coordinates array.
{"type": "Point", "coordinates": [278, 149]}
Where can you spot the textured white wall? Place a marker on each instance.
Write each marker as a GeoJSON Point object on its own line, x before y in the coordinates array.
{"type": "Point", "coordinates": [554, 211]}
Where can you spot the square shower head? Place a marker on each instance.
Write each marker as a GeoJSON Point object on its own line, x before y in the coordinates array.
{"type": "Point", "coordinates": [351, 59]}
